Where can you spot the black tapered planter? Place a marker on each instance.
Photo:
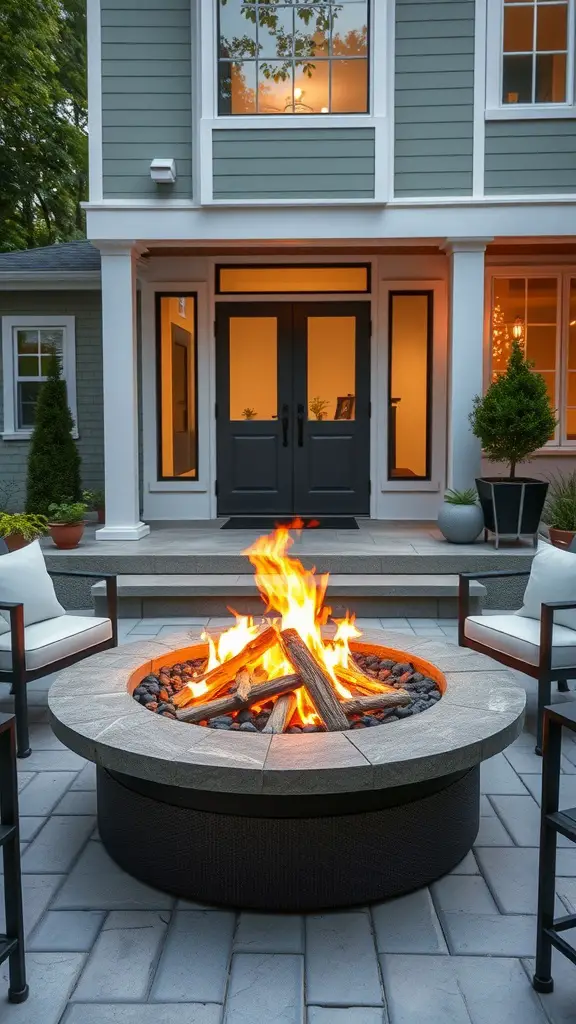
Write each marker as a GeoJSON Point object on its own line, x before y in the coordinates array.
{"type": "Point", "coordinates": [512, 508]}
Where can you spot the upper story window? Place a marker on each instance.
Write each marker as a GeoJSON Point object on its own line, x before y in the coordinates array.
{"type": "Point", "coordinates": [292, 57]}
{"type": "Point", "coordinates": [27, 343]}
{"type": "Point", "coordinates": [535, 52]}
{"type": "Point", "coordinates": [530, 58]}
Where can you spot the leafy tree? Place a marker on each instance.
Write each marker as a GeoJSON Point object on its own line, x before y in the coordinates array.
{"type": "Point", "coordinates": [514, 418]}
{"type": "Point", "coordinates": [43, 150]}
{"type": "Point", "coordinates": [53, 459]}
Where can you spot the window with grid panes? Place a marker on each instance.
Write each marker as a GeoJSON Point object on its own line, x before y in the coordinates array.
{"type": "Point", "coordinates": [32, 350]}
{"type": "Point", "coordinates": [535, 51]}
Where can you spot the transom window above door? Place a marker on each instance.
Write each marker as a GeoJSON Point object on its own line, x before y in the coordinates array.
{"type": "Point", "coordinates": [290, 57]}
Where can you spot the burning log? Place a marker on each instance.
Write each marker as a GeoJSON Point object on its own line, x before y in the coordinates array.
{"type": "Point", "coordinates": [315, 679]}
{"type": "Point", "coordinates": [359, 705]}
{"type": "Point", "coordinates": [223, 674]}
{"type": "Point", "coordinates": [234, 701]}
{"type": "Point", "coordinates": [353, 676]}
{"type": "Point", "coordinates": [281, 713]}
{"type": "Point", "coordinates": [244, 682]}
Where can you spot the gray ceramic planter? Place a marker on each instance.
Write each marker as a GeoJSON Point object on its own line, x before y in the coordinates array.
{"type": "Point", "coordinates": [460, 524]}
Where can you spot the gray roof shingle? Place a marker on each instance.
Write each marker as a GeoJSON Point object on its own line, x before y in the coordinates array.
{"type": "Point", "coordinates": [67, 257]}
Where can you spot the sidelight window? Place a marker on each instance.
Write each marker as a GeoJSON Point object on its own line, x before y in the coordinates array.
{"type": "Point", "coordinates": [409, 377]}
{"type": "Point", "coordinates": [293, 57]}
{"type": "Point", "coordinates": [177, 380]}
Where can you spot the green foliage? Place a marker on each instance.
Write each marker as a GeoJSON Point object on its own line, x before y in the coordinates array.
{"type": "Point", "coordinates": [468, 497]}
{"type": "Point", "coordinates": [94, 499]}
{"type": "Point", "coordinates": [560, 508]}
{"type": "Point", "coordinates": [318, 407]}
{"type": "Point", "coordinates": [43, 119]}
{"type": "Point", "coordinates": [67, 512]}
{"type": "Point", "coordinates": [29, 526]}
{"type": "Point", "coordinates": [53, 459]}
{"type": "Point", "coordinates": [514, 418]}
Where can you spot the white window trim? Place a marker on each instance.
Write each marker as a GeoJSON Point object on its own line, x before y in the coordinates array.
{"type": "Point", "coordinates": [498, 111]}
{"type": "Point", "coordinates": [563, 275]}
{"type": "Point", "coordinates": [380, 102]}
{"type": "Point", "coordinates": [10, 431]}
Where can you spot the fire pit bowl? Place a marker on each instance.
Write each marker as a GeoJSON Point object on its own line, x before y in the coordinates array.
{"type": "Point", "coordinates": [287, 822]}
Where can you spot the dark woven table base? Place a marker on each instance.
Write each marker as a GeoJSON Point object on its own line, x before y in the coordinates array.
{"type": "Point", "coordinates": [288, 863]}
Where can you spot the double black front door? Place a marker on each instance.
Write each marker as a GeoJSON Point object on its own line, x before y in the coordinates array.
{"type": "Point", "coordinates": [293, 408]}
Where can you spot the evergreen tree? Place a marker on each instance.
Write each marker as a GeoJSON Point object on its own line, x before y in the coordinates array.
{"type": "Point", "coordinates": [53, 460]}
{"type": "Point", "coordinates": [514, 418]}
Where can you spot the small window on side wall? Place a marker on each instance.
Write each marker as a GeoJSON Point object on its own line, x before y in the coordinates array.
{"type": "Point", "coordinates": [177, 387]}
{"type": "Point", "coordinates": [27, 345]}
{"type": "Point", "coordinates": [409, 392]}
{"type": "Point", "coordinates": [535, 51]}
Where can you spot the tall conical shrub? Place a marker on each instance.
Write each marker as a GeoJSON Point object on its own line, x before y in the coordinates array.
{"type": "Point", "coordinates": [53, 459]}
{"type": "Point", "coordinates": [514, 418]}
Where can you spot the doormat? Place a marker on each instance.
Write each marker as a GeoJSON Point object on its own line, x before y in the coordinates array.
{"type": "Point", "coordinates": [268, 523]}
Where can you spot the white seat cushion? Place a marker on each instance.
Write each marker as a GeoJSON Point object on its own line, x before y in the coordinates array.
{"type": "Point", "coordinates": [24, 578]}
{"type": "Point", "coordinates": [49, 641]}
{"type": "Point", "coordinates": [520, 638]}
{"type": "Point", "coordinates": [552, 578]}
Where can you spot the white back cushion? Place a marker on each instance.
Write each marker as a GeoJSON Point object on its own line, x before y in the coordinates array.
{"type": "Point", "coordinates": [23, 577]}
{"type": "Point", "coordinates": [552, 578]}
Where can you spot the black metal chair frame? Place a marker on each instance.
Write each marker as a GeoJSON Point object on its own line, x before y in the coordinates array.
{"type": "Point", "coordinates": [543, 671]}
{"type": "Point", "coordinates": [553, 822]}
{"type": "Point", "coordinates": [20, 676]}
{"type": "Point", "coordinates": [12, 943]}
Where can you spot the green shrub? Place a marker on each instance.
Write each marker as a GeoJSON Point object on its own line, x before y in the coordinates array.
{"type": "Point", "coordinates": [53, 460]}
{"type": "Point", "coordinates": [67, 512]}
{"type": "Point", "coordinates": [514, 418]}
{"type": "Point", "coordinates": [468, 497]}
{"type": "Point", "coordinates": [560, 508]}
{"type": "Point", "coordinates": [30, 526]}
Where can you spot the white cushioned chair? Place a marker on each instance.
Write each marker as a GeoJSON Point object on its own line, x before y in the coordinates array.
{"type": "Point", "coordinates": [540, 638]}
{"type": "Point", "coordinates": [37, 637]}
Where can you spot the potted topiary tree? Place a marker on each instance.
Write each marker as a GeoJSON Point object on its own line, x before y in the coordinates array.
{"type": "Point", "coordinates": [53, 459]}
{"type": "Point", "coordinates": [513, 420]}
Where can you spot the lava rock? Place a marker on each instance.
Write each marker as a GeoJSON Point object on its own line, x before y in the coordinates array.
{"type": "Point", "coordinates": [222, 720]}
{"type": "Point", "coordinates": [435, 696]}
{"type": "Point", "coordinates": [358, 725]}
{"type": "Point", "coordinates": [310, 728]}
{"type": "Point", "coordinates": [244, 717]}
{"type": "Point", "coordinates": [147, 698]}
{"type": "Point", "coordinates": [140, 691]}
{"type": "Point", "coordinates": [248, 727]}
{"type": "Point", "coordinates": [403, 712]}
{"type": "Point", "coordinates": [165, 707]}
{"type": "Point", "coordinates": [293, 729]}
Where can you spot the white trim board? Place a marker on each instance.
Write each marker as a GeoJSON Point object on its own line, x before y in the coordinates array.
{"type": "Point", "coordinates": [10, 431]}
{"type": "Point", "coordinates": [94, 70]}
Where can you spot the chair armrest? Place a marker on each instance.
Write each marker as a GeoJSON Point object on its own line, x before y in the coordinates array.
{"type": "Point", "coordinates": [16, 609]}
{"type": "Point", "coordinates": [493, 574]}
{"type": "Point", "coordinates": [111, 580]}
{"type": "Point", "coordinates": [546, 629]}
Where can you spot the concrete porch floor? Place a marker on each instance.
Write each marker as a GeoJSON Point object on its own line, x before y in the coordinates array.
{"type": "Point", "coordinates": [105, 949]}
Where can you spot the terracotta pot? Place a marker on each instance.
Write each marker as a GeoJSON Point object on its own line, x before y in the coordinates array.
{"type": "Point", "coordinates": [101, 512]}
{"type": "Point", "coordinates": [66, 535]}
{"type": "Point", "coordinates": [15, 541]}
{"type": "Point", "coordinates": [561, 538]}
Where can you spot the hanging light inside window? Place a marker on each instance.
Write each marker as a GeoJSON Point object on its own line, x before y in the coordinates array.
{"type": "Point", "coordinates": [518, 329]}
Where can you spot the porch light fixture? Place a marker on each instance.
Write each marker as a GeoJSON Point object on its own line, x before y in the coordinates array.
{"type": "Point", "coordinates": [518, 329]}
{"type": "Point", "coordinates": [163, 171]}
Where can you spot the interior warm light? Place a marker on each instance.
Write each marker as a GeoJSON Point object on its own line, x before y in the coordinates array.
{"type": "Point", "coordinates": [297, 94]}
{"type": "Point", "coordinates": [324, 110]}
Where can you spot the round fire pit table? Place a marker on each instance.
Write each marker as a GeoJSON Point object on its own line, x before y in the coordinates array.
{"type": "Point", "coordinates": [290, 822]}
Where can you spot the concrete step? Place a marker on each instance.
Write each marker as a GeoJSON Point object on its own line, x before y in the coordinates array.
{"type": "Point", "coordinates": [390, 595]}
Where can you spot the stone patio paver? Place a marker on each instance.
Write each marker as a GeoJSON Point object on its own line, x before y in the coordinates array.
{"type": "Point", "coordinates": [458, 953]}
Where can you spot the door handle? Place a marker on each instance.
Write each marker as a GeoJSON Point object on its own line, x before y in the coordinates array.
{"type": "Point", "coordinates": [300, 425]}
{"type": "Point", "coordinates": [285, 425]}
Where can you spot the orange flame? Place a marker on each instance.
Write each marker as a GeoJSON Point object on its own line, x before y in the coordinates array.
{"type": "Point", "coordinates": [296, 595]}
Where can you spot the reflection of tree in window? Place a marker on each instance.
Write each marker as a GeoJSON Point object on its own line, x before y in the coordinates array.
{"type": "Point", "coordinates": [297, 59]}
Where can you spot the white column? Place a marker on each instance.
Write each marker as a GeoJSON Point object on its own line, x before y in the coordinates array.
{"type": "Point", "coordinates": [119, 351]}
{"type": "Point", "coordinates": [466, 356]}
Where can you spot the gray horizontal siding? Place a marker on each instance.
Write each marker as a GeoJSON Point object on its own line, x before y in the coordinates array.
{"type": "Point", "coordinates": [530, 157]}
{"type": "Point", "coordinates": [86, 308]}
{"type": "Point", "coordinates": [146, 95]}
{"type": "Point", "coordinates": [293, 163]}
{"type": "Point", "coordinates": [433, 98]}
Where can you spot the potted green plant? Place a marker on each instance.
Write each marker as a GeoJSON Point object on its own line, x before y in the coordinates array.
{"type": "Point", "coordinates": [513, 420]}
{"type": "Point", "coordinates": [95, 503]}
{"type": "Point", "coordinates": [460, 519]}
{"type": "Point", "coordinates": [560, 509]}
{"type": "Point", "coordinates": [19, 529]}
{"type": "Point", "coordinates": [66, 523]}
{"type": "Point", "coordinates": [53, 458]}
